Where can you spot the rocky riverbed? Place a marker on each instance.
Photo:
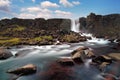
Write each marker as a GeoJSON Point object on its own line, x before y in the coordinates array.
{"type": "Point", "coordinates": [62, 62]}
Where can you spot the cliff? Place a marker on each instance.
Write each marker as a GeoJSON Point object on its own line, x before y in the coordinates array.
{"type": "Point", "coordinates": [101, 26]}
{"type": "Point", "coordinates": [36, 31]}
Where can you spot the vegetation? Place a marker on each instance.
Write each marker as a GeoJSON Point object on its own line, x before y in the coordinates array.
{"type": "Point", "coordinates": [70, 38]}
{"type": "Point", "coordinates": [9, 42]}
{"type": "Point", "coordinates": [17, 28]}
{"type": "Point", "coordinates": [41, 38]}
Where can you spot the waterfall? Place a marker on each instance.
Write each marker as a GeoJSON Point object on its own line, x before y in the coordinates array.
{"type": "Point", "coordinates": [75, 25]}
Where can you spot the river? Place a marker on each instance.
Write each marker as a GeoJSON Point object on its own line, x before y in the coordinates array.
{"type": "Point", "coordinates": [47, 69]}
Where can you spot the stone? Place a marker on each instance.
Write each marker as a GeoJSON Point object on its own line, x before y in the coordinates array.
{"type": "Point", "coordinates": [80, 54]}
{"type": "Point", "coordinates": [5, 54]}
{"type": "Point", "coordinates": [78, 57]}
{"type": "Point", "coordinates": [101, 59]}
{"type": "Point", "coordinates": [24, 70]}
{"type": "Point", "coordinates": [66, 61]}
{"type": "Point", "coordinates": [114, 56]}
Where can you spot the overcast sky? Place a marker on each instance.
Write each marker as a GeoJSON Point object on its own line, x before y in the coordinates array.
{"type": "Point", "coordinates": [56, 8]}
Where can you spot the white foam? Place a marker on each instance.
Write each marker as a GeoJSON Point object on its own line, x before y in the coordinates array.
{"type": "Point", "coordinates": [75, 26]}
{"type": "Point", "coordinates": [95, 40]}
{"type": "Point", "coordinates": [87, 63]}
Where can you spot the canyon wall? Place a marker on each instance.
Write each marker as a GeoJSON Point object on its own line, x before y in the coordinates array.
{"type": "Point", "coordinates": [39, 23]}
{"type": "Point", "coordinates": [101, 26]}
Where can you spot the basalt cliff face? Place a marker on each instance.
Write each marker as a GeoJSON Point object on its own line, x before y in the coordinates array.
{"type": "Point", "coordinates": [36, 31]}
{"type": "Point", "coordinates": [101, 26]}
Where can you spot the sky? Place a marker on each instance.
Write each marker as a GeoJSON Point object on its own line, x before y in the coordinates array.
{"type": "Point", "coordinates": [30, 9]}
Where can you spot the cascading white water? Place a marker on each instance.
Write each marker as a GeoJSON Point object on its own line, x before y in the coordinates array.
{"type": "Point", "coordinates": [76, 28]}
{"type": "Point", "coordinates": [87, 63]}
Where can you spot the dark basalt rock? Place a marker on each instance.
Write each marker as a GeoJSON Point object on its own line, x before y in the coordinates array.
{"type": "Point", "coordinates": [80, 54]}
{"type": "Point", "coordinates": [25, 70]}
{"type": "Point", "coordinates": [4, 54]}
{"type": "Point", "coordinates": [101, 26]}
{"type": "Point", "coordinates": [114, 56]}
{"type": "Point", "coordinates": [101, 59]}
{"type": "Point", "coordinates": [66, 61]}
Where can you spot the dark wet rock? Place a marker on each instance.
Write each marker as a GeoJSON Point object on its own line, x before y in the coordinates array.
{"type": "Point", "coordinates": [78, 57]}
{"type": "Point", "coordinates": [66, 61]}
{"type": "Point", "coordinates": [24, 70]}
{"type": "Point", "coordinates": [108, 76]}
{"type": "Point", "coordinates": [101, 59]}
{"type": "Point", "coordinates": [56, 71]}
{"type": "Point", "coordinates": [101, 25]}
{"type": "Point", "coordinates": [23, 53]}
{"type": "Point", "coordinates": [82, 53]}
{"type": "Point", "coordinates": [79, 49]}
{"type": "Point", "coordinates": [89, 53]}
{"type": "Point", "coordinates": [114, 56]}
{"type": "Point", "coordinates": [4, 54]}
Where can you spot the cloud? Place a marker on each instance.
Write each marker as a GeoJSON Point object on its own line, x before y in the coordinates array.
{"type": "Point", "coordinates": [5, 5]}
{"type": "Point", "coordinates": [31, 9]}
{"type": "Point", "coordinates": [35, 12]}
{"type": "Point", "coordinates": [35, 9]}
{"type": "Point", "coordinates": [60, 13]}
{"type": "Point", "coordinates": [33, 15]}
{"type": "Point", "coordinates": [76, 2]}
{"type": "Point", "coordinates": [47, 4]}
{"type": "Point", "coordinates": [33, 1]}
{"type": "Point", "coordinates": [66, 3]}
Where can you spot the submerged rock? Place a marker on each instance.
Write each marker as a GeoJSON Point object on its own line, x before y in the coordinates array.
{"type": "Point", "coordinates": [108, 76]}
{"type": "Point", "coordinates": [66, 61]}
{"type": "Point", "coordinates": [23, 53]}
{"type": "Point", "coordinates": [24, 70]}
{"type": "Point", "coordinates": [4, 54]}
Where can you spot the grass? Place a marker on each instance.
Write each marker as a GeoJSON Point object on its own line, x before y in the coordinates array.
{"type": "Point", "coordinates": [17, 28]}
{"type": "Point", "coordinates": [41, 38]}
{"type": "Point", "coordinates": [70, 38]}
{"type": "Point", "coordinates": [9, 42]}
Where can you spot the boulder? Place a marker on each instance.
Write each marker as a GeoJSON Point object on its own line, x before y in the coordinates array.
{"type": "Point", "coordinates": [4, 54]}
{"type": "Point", "coordinates": [81, 53]}
{"type": "Point", "coordinates": [79, 49]}
{"type": "Point", "coordinates": [24, 70]}
{"type": "Point", "coordinates": [66, 61]}
{"type": "Point", "coordinates": [101, 59]}
{"type": "Point", "coordinates": [114, 56]}
{"type": "Point", "coordinates": [78, 57]}
{"type": "Point", "coordinates": [89, 53]}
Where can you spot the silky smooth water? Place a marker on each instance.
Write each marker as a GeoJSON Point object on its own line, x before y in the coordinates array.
{"type": "Point", "coordinates": [43, 55]}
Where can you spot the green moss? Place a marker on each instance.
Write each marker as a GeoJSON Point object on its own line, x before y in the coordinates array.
{"type": "Point", "coordinates": [9, 42]}
{"type": "Point", "coordinates": [41, 38]}
{"type": "Point", "coordinates": [69, 38]}
{"type": "Point", "coordinates": [17, 28]}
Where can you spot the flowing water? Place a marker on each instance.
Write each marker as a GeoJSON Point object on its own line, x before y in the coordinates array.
{"type": "Point", "coordinates": [44, 55]}
{"type": "Point", "coordinates": [44, 58]}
